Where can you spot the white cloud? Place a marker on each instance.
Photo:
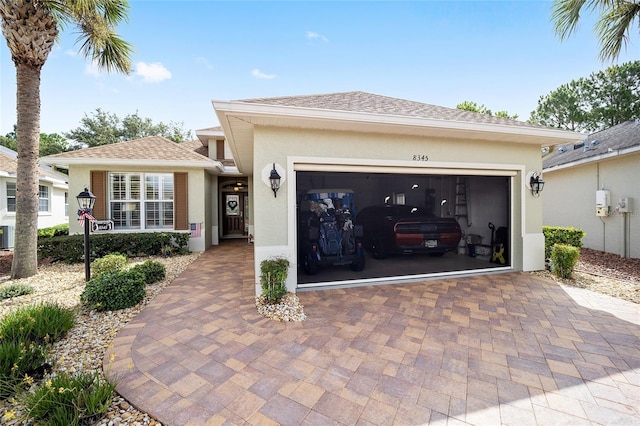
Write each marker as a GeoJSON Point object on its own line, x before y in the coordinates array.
{"type": "Point", "coordinates": [152, 73]}
{"type": "Point", "coordinates": [205, 62]}
{"type": "Point", "coordinates": [259, 74]}
{"type": "Point", "coordinates": [70, 52]}
{"type": "Point", "coordinates": [311, 35]}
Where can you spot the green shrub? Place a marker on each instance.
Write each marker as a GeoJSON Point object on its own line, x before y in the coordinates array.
{"type": "Point", "coordinates": [38, 323]}
{"type": "Point", "coordinates": [15, 290]}
{"type": "Point", "coordinates": [109, 263]}
{"type": "Point", "coordinates": [114, 290]}
{"type": "Point", "coordinates": [273, 277]}
{"type": "Point", "coordinates": [563, 260]}
{"type": "Point", "coordinates": [561, 235]}
{"type": "Point", "coordinates": [70, 248]}
{"type": "Point", "coordinates": [19, 360]}
{"type": "Point", "coordinates": [70, 399]}
{"type": "Point", "coordinates": [54, 231]}
{"type": "Point", "coordinates": [153, 271]}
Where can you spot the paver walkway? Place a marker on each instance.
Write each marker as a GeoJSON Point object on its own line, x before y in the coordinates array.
{"type": "Point", "coordinates": [512, 349]}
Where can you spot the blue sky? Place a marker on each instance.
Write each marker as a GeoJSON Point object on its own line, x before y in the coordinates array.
{"type": "Point", "coordinates": [502, 54]}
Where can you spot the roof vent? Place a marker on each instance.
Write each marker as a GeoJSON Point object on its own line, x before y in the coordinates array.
{"type": "Point", "coordinates": [587, 145]}
{"type": "Point", "coordinates": [596, 142]}
{"type": "Point", "coordinates": [562, 149]}
{"type": "Point", "coordinates": [578, 145]}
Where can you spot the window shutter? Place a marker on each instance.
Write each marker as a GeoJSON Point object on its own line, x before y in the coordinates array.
{"type": "Point", "coordinates": [180, 201]}
{"type": "Point", "coordinates": [99, 189]}
{"type": "Point", "coordinates": [220, 150]}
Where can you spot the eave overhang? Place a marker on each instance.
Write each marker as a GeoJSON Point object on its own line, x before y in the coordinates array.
{"type": "Point", "coordinates": [212, 166]}
{"type": "Point", "coordinates": [239, 118]}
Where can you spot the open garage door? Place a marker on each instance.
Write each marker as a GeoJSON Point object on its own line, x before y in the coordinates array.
{"type": "Point", "coordinates": [409, 225]}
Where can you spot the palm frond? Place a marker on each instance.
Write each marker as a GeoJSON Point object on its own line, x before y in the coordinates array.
{"type": "Point", "coordinates": [565, 15]}
{"type": "Point", "coordinates": [613, 29]}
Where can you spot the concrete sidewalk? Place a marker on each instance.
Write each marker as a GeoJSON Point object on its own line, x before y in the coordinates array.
{"type": "Point", "coordinates": [510, 349]}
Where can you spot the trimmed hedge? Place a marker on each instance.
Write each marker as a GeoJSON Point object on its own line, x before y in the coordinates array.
{"type": "Point", "coordinates": [109, 263]}
{"type": "Point", "coordinates": [115, 290]}
{"type": "Point", "coordinates": [569, 236]}
{"type": "Point", "coordinates": [563, 260]}
{"type": "Point", "coordinates": [70, 248]}
{"type": "Point", "coordinates": [153, 271]}
{"type": "Point", "coordinates": [54, 231]}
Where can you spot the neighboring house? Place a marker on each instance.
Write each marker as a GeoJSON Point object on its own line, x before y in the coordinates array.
{"type": "Point", "coordinates": [456, 163]}
{"type": "Point", "coordinates": [53, 203]}
{"type": "Point", "coordinates": [584, 173]}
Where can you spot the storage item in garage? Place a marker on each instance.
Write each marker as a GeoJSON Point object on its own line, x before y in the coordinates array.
{"type": "Point", "coordinates": [327, 235]}
{"type": "Point", "coordinates": [472, 241]}
{"type": "Point", "coordinates": [499, 239]}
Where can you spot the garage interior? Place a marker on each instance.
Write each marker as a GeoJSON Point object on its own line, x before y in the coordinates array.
{"type": "Point", "coordinates": [476, 202]}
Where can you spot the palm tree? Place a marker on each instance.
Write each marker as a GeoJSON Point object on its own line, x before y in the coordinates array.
{"type": "Point", "coordinates": [30, 28]}
{"type": "Point", "coordinates": [615, 19]}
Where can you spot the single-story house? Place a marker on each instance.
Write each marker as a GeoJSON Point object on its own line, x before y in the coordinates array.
{"type": "Point", "coordinates": [593, 183]}
{"type": "Point", "coordinates": [456, 163]}
{"type": "Point", "coordinates": [53, 203]}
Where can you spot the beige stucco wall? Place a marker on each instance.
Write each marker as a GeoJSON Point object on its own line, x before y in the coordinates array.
{"type": "Point", "coordinates": [570, 200]}
{"type": "Point", "coordinates": [80, 177]}
{"type": "Point", "coordinates": [274, 218]}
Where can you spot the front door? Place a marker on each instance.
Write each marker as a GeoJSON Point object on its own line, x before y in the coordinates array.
{"type": "Point", "coordinates": [233, 214]}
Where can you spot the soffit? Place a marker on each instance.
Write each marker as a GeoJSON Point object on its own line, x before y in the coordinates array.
{"type": "Point", "coordinates": [238, 120]}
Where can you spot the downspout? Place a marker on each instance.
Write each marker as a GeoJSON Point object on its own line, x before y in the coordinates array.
{"type": "Point", "coordinates": [604, 224]}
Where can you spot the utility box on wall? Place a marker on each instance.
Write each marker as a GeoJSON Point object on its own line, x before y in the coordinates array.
{"type": "Point", "coordinates": [623, 205]}
{"type": "Point", "coordinates": [603, 202]}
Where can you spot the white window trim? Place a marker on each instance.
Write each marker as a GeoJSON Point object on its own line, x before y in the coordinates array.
{"type": "Point", "coordinates": [142, 201]}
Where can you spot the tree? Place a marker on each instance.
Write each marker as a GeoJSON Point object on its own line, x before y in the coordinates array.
{"type": "Point", "coordinates": [51, 143]}
{"type": "Point", "coordinates": [104, 128]}
{"type": "Point", "coordinates": [30, 29]}
{"type": "Point", "coordinates": [613, 24]}
{"type": "Point", "coordinates": [474, 107]}
{"type": "Point", "coordinates": [593, 103]}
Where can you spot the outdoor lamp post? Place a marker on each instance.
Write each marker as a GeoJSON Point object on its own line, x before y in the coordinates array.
{"type": "Point", "coordinates": [86, 200]}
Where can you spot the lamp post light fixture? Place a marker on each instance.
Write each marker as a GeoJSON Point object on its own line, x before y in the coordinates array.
{"type": "Point", "coordinates": [86, 200]}
{"type": "Point", "coordinates": [535, 183]}
{"type": "Point", "coordinates": [274, 178]}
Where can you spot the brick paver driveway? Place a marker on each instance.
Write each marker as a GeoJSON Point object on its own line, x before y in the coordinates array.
{"type": "Point", "coordinates": [511, 349]}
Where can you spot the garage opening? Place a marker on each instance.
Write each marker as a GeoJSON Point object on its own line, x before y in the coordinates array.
{"type": "Point", "coordinates": [357, 227]}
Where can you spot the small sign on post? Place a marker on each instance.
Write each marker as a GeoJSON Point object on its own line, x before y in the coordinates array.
{"type": "Point", "coordinates": [101, 225]}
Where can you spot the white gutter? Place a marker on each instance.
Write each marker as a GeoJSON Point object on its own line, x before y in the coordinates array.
{"type": "Point", "coordinates": [616, 153]}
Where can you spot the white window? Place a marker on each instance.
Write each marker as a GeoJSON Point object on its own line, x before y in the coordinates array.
{"type": "Point", "coordinates": [11, 197]}
{"type": "Point", "coordinates": [43, 198]}
{"type": "Point", "coordinates": [66, 204]}
{"type": "Point", "coordinates": [141, 200]}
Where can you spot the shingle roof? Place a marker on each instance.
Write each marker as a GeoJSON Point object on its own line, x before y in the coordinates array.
{"type": "Point", "coordinates": [377, 104]}
{"type": "Point", "coordinates": [196, 146]}
{"type": "Point", "coordinates": [150, 148]}
{"type": "Point", "coordinates": [9, 164]}
{"type": "Point", "coordinates": [619, 137]}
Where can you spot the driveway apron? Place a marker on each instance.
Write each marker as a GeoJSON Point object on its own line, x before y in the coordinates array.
{"type": "Point", "coordinates": [511, 349]}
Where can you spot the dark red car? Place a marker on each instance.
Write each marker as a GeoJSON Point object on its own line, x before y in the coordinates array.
{"type": "Point", "coordinates": [398, 229]}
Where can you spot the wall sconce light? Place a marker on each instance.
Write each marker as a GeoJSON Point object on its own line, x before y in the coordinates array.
{"type": "Point", "coordinates": [274, 179]}
{"type": "Point", "coordinates": [535, 183]}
